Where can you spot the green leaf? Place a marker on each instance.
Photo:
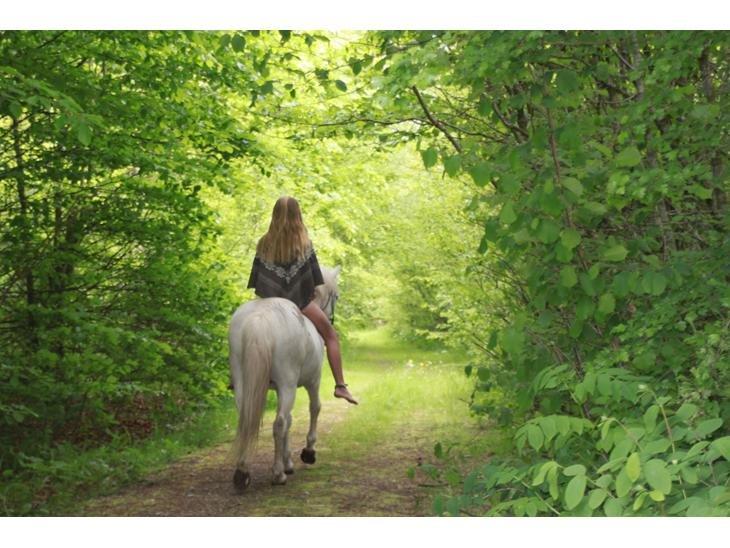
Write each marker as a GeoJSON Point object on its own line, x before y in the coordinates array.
{"type": "Point", "coordinates": [615, 253]}
{"type": "Point", "coordinates": [696, 449]}
{"type": "Point", "coordinates": [535, 436]}
{"type": "Point", "coordinates": [567, 81]}
{"type": "Point", "coordinates": [570, 238]}
{"type": "Point", "coordinates": [621, 449]}
{"type": "Point", "coordinates": [596, 208]}
{"type": "Point", "coordinates": [596, 498]}
{"type": "Point", "coordinates": [628, 157]}
{"type": "Point", "coordinates": [722, 445]}
{"type": "Point", "coordinates": [544, 469]}
{"type": "Point", "coordinates": [483, 374]}
{"type": "Point", "coordinates": [584, 308]}
{"type": "Point", "coordinates": [606, 303]}
{"type": "Point", "coordinates": [700, 191]}
{"type": "Point", "coordinates": [633, 466]}
{"type": "Point", "coordinates": [639, 502]}
{"type": "Point", "coordinates": [267, 88]}
{"type": "Point", "coordinates": [587, 284]}
{"type": "Point", "coordinates": [552, 476]}
{"type": "Point", "coordinates": [575, 330]}
{"type": "Point", "coordinates": [568, 277]}
{"type": "Point", "coordinates": [438, 450]}
{"type": "Point", "coordinates": [689, 475]}
{"type": "Point", "coordinates": [548, 231]}
{"type": "Point", "coordinates": [686, 411]}
{"type": "Point", "coordinates": [480, 173]}
{"type": "Point", "coordinates": [339, 84]}
{"type": "Point", "coordinates": [452, 164]}
{"type": "Point", "coordinates": [603, 382]}
{"type": "Point", "coordinates": [509, 185]}
{"type": "Point", "coordinates": [650, 418]}
{"type": "Point", "coordinates": [356, 66]}
{"type": "Point", "coordinates": [238, 42]}
{"type": "Point", "coordinates": [438, 505]}
{"type": "Point", "coordinates": [623, 483]}
{"type": "Point", "coordinates": [563, 254]}
{"type": "Point", "coordinates": [656, 446]}
{"type": "Point", "coordinates": [707, 427]}
{"type": "Point", "coordinates": [508, 215]}
{"type": "Point", "coordinates": [645, 362]}
{"type": "Point", "coordinates": [575, 470]}
{"type": "Point", "coordinates": [551, 204]}
{"type": "Point", "coordinates": [654, 283]}
{"type": "Point", "coordinates": [492, 342]}
{"type": "Point", "coordinates": [549, 427]}
{"type": "Point", "coordinates": [83, 133]}
{"type": "Point", "coordinates": [15, 109]}
{"type": "Point", "coordinates": [563, 423]}
{"type": "Point", "coordinates": [430, 156]}
{"type": "Point", "coordinates": [658, 476]}
{"type": "Point", "coordinates": [656, 495]}
{"type": "Point", "coordinates": [573, 184]}
{"type": "Point", "coordinates": [612, 508]}
{"type": "Point", "coordinates": [605, 481]}
{"type": "Point", "coordinates": [512, 340]}
{"type": "Point", "coordinates": [485, 106]}
{"type": "Point", "coordinates": [574, 491]}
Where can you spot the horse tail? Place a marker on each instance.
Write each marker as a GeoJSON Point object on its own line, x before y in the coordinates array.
{"type": "Point", "coordinates": [254, 375]}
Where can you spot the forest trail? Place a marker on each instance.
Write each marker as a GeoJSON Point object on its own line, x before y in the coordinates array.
{"type": "Point", "coordinates": [409, 399]}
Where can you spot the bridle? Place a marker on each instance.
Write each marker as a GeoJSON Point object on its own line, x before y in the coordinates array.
{"type": "Point", "coordinates": [330, 299]}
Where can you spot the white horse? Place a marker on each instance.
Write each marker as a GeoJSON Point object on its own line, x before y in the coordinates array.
{"type": "Point", "coordinates": [273, 345]}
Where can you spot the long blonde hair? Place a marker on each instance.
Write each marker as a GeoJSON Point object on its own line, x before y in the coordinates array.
{"type": "Point", "coordinates": [287, 239]}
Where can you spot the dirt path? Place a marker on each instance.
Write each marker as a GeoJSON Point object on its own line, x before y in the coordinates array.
{"type": "Point", "coordinates": [372, 484]}
{"type": "Point", "coordinates": [409, 399]}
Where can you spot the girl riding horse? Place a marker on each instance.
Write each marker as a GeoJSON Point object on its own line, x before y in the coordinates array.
{"type": "Point", "coordinates": [286, 266]}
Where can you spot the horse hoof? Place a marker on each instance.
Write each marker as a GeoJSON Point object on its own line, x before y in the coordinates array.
{"type": "Point", "coordinates": [289, 472]}
{"type": "Point", "coordinates": [279, 480]}
{"type": "Point", "coordinates": [308, 456]}
{"type": "Point", "coordinates": [241, 480]}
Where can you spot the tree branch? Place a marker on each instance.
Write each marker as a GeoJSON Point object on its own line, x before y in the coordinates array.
{"type": "Point", "coordinates": [509, 125]}
{"type": "Point", "coordinates": [436, 123]}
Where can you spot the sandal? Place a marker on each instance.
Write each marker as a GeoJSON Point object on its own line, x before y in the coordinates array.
{"type": "Point", "coordinates": [345, 393]}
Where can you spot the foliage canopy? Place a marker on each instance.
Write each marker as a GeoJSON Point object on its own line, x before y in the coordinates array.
{"type": "Point", "coordinates": [554, 202]}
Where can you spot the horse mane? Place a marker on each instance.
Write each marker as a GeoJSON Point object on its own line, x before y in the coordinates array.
{"type": "Point", "coordinates": [330, 276]}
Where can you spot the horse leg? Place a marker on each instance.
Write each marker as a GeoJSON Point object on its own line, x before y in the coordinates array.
{"type": "Point", "coordinates": [241, 477]}
{"type": "Point", "coordinates": [281, 433]}
{"type": "Point", "coordinates": [288, 464]}
{"type": "Point", "coordinates": [308, 454]}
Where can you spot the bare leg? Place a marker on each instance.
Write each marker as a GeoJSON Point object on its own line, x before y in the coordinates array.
{"type": "Point", "coordinates": [332, 343]}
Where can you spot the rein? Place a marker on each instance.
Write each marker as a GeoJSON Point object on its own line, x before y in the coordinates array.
{"type": "Point", "coordinates": [329, 300]}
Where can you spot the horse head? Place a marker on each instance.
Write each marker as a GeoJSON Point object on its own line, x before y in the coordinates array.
{"type": "Point", "coordinates": [326, 295]}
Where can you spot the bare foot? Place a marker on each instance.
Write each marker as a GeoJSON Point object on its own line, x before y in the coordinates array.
{"type": "Point", "coordinates": [341, 391]}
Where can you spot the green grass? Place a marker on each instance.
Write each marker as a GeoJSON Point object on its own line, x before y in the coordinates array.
{"type": "Point", "coordinates": [400, 388]}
